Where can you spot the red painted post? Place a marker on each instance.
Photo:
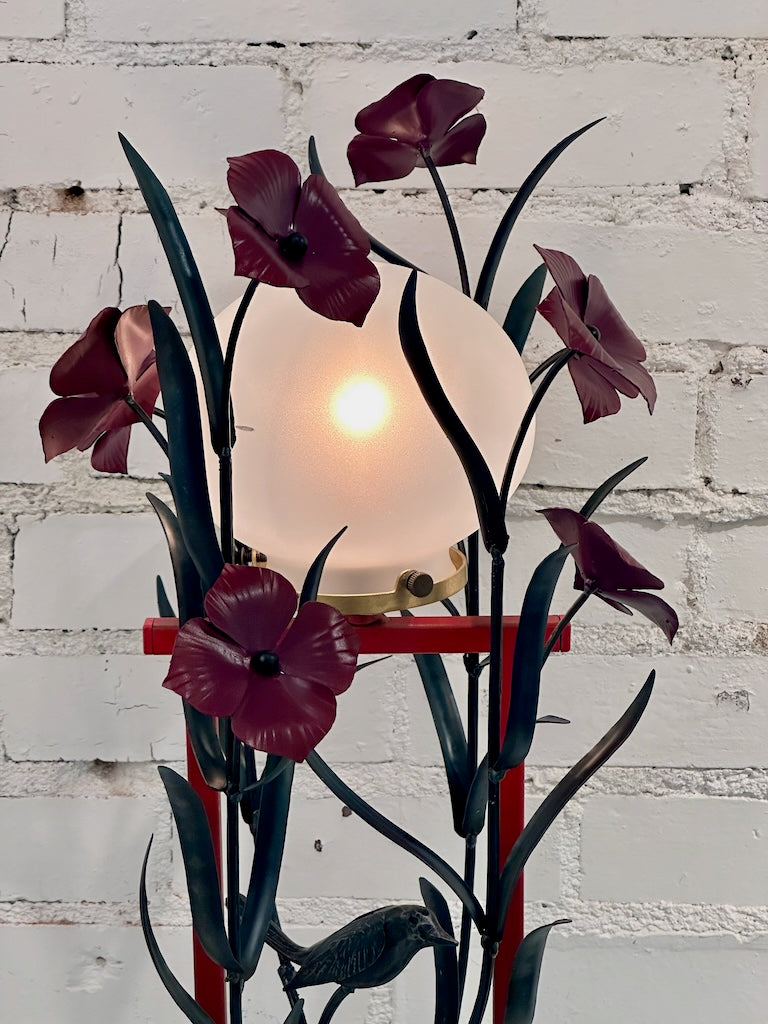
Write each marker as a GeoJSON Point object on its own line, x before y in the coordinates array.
{"type": "Point", "coordinates": [417, 635]}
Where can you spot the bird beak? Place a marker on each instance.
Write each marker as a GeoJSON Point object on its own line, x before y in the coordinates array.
{"type": "Point", "coordinates": [437, 936]}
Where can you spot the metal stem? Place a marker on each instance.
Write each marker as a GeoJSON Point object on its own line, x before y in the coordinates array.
{"type": "Point", "coordinates": [545, 365]}
{"type": "Point", "coordinates": [557, 632]}
{"type": "Point", "coordinates": [233, 870]}
{"type": "Point", "coordinates": [465, 935]}
{"type": "Point", "coordinates": [452, 225]}
{"type": "Point", "coordinates": [333, 1004]}
{"type": "Point", "coordinates": [134, 406]}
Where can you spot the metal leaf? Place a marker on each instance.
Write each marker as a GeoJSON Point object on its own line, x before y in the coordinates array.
{"type": "Point", "coordinates": [446, 962]}
{"type": "Point", "coordinates": [200, 867]}
{"type": "Point", "coordinates": [524, 980]}
{"type": "Point", "coordinates": [526, 664]}
{"type": "Point", "coordinates": [503, 231]}
{"type": "Point", "coordinates": [191, 1009]}
{"type": "Point", "coordinates": [311, 585]}
{"type": "Point", "coordinates": [273, 767]}
{"type": "Point", "coordinates": [297, 1013]}
{"type": "Point", "coordinates": [265, 868]}
{"type": "Point", "coordinates": [373, 661]}
{"type": "Point", "coordinates": [490, 512]}
{"type": "Point", "coordinates": [552, 720]}
{"type": "Point", "coordinates": [376, 246]}
{"type": "Point", "coordinates": [185, 443]}
{"type": "Point", "coordinates": [522, 309]}
{"type": "Point", "coordinates": [164, 607]}
{"type": "Point", "coordinates": [188, 590]}
{"type": "Point", "coordinates": [598, 496]}
{"type": "Point", "coordinates": [204, 738]}
{"type": "Point", "coordinates": [477, 801]}
{"type": "Point", "coordinates": [449, 729]}
{"type": "Point", "coordinates": [566, 788]}
{"type": "Point", "coordinates": [197, 309]}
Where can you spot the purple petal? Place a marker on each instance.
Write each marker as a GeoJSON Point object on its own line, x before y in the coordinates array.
{"type": "Point", "coordinates": [332, 231]}
{"type": "Point", "coordinates": [70, 423]}
{"type": "Point", "coordinates": [395, 116]}
{"type": "Point", "coordinates": [257, 256]}
{"type": "Point", "coordinates": [91, 365]}
{"type": "Point", "coordinates": [147, 389]}
{"type": "Point", "coordinates": [461, 143]}
{"type": "Point", "coordinates": [251, 605]}
{"type": "Point", "coordinates": [110, 453]}
{"type": "Point", "coordinates": [631, 380]}
{"type": "Point", "coordinates": [442, 102]}
{"type": "Point", "coordinates": [320, 646]}
{"type": "Point", "coordinates": [651, 606]}
{"type": "Point", "coordinates": [345, 291]}
{"type": "Point", "coordinates": [208, 670]}
{"type": "Point", "coordinates": [598, 398]}
{"type": "Point", "coordinates": [609, 565]}
{"type": "Point", "coordinates": [565, 522]}
{"type": "Point", "coordinates": [620, 340]}
{"type": "Point", "coordinates": [266, 185]}
{"type": "Point", "coordinates": [135, 342]}
{"type": "Point", "coordinates": [377, 159]}
{"type": "Point", "coordinates": [571, 330]}
{"type": "Point", "coordinates": [568, 277]}
{"type": "Point", "coordinates": [283, 715]}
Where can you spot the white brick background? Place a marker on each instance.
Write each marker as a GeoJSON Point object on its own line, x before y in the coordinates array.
{"type": "Point", "coordinates": [661, 863]}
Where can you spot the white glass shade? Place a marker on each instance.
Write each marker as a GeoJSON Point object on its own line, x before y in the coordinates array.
{"type": "Point", "coordinates": [332, 431]}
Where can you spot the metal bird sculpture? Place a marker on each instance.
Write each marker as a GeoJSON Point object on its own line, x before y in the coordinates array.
{"type": "Point", "coordinates": [369, 951]}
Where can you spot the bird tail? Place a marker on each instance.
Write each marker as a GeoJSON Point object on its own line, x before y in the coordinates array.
{"type": "Point", "coordinates": [277, 939]}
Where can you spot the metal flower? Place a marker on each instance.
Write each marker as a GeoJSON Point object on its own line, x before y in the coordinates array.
{"type": "Point", "coordinates": [111, 364]}
{"type": "Point", "coordinates": [604, 568]}
{"type": "Point", "coordinates": [609, 353]}
{"type": "Point", "coordinates": [299, 236]}
{"type": "Point", "coordinates": [419, 117]}
{"type": "Point", "coordinates": [276, 677]}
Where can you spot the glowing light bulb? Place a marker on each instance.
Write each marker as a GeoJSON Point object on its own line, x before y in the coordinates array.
{"type": "Point", "coordinates": [361, 406]}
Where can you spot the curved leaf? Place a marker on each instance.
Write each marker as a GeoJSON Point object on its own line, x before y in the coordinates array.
{"type": "Point", "coordinates": [164, 607]}
{"type": "Point", "coordinates": [197, 309]}
{"type": "Point", "coordinates": [503, 231]}
{"type": "Point", "coordinates": [598, 496]}
{"type": "Point", "coordinates": [376, 246]}
{"type": "Point", "coordinates": [373, 661]}
{"type": "Point", "coordinates": [566, 788]}
{"type": "Point", "coordinates": [297, 1013]}
{"type": "Point", "coordinates": [524, 980]}
{"type": "Point", "coordinates": [265, 868]}
{"type": "Point", "coordinates": [191, 1009]}
{"type": "Point", "coordinates": [273, 767]}
{"type": "Point", "coordinates": [200, 867]}
{"type": "Point", "coordinates": [449, 729]}
{"type": "Point", "coordinates": [204, 737]}
{"type": "Point", "coordinates": [311, 585]}
{"type": "Point", "coordinates": [552, 720]}
{"type": "Point", "coordinates": [526, 663]}
{"type": "Point", "coordinates": [185, 444]}
{"type": "Point", "coordinates": [477, 801]}
{"type": "Point", "coordinates": [188, 590]}
{"type": "Point", "coordinates": [522, 309]}
{"type": "Point", "coordinates": [490, 511]}
{"type": "Point", "coordinates": [446, 962]}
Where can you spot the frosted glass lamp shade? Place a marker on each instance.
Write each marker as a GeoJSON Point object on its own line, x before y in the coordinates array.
{"type": "Point", "coordinates": [332, 430]}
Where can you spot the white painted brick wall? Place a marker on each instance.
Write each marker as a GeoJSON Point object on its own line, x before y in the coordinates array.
{"type": "Point", "coordinates": [31, 19]}
{"type": "Point", "coordinates": [655, 18]}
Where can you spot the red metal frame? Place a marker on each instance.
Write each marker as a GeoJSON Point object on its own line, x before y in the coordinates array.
{"type": "Point", "coordinates": [417, 635]}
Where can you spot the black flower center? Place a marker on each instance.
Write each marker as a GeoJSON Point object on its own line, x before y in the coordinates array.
{"type": "Point", "coordinates": [293, 247]}
{"type": "Point", "coordinates": [593, 331]}
{"type": "Point", "coordinates": [265, 663]}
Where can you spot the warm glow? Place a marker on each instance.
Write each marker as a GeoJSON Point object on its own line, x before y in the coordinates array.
{"type": "Point", "coordinates": [361, 406]}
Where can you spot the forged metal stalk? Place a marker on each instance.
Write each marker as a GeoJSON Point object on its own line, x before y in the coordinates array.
{"type": "Point", "coordinates": [452, 225]}
{"type": "Point", "coordinates": [134, 406]}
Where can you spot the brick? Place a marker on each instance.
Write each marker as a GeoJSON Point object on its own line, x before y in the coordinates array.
{"type": "Point", "coordinates": [363, 730]}
{"type": "Point", "coordinates": [685, 18]}
{"type": "Point", "coordinates": [293, 21]}
{"type": "Point", "coordinates": [112, 708]}
{"type": "Point", "coordinates": [758, 135]}
{"type": "Point", "coordinates": [734, 589]}
{"type": "Point", "coordinates": [643, 849]}
{"type": "Point", "coordinates": [740, 458]}
{"type": "Point", "coordinates": [634, 146]}
{"type": "Point", "coordinates": [63, 122]}
{"type": "Point", "coordinates": [705, 712]}
{"type": "Point", "coordinates": [31, 19]}
{"type": "Point", "coordinates": [24, 394]}
{"type": "Point", "coordinates": [87, 571]}
{"type": "Point", "coordinates": [44, 255]}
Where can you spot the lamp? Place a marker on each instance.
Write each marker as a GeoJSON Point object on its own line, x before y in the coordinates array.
{"type": "Point", "coordinates": [332, 430]}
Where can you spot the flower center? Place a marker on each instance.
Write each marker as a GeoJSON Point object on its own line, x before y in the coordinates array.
{"type": "Point", "coordinates": [293, 247]}
{"type": "Point", "coordinates": [265, 663]}
{"type": "Point", "coordinates": [593, 331]}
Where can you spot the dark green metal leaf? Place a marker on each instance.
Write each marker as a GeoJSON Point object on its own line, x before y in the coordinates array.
{"type": "Point", "coordinates": [204, 738]}
{"type": "Point", "coordinates": [566, 788]}
{"type": "Point", "coordinates": [311, 586]}
{"type": "Point", "coordinates": [185, 442]}
{"type": "Point", "coordinates": [265, 868]}
{"type": "Point", "coordinates": [490, 512]}
{"type": "Point", "coordinates": [503, 231]}
{"type": "Point", "coordinates": [397, 835]}
{"type": "Point", "coordinates": [274, 766]}
{"type": "Point", "coordinates": [164, 607]}
{"type": "Point", "coordinates": [526, 663]}
{"type": "Point", "coordinates": [524, 980]}
{"type": "Point", "coordinates": [598, 497]}
{"type": "Point", "coordinates": [188, 590]}
{"type": "Point", "coordinates": [297, 1013]}
{"type": "Point", "coordinates": [446, 962]}
{"type": "Point", "coordinates": [191, 1009]}
{"type": "Point", "coordinates": [197, 309]}
{"type": "Point", "coordinates": [373, 661]}
{"type": "Point", "coordinates": [200, 867]}
{"type": "Point", "coordinates": [477, 801]}
{"type": "Point", "coordinates": [449, 729]}
{"type": "Point", "coordinates": [522, 309]}
{"type": "Point", "coordinates": [376, 246]}
{"type": "Point", "coordinates": [552, 720]}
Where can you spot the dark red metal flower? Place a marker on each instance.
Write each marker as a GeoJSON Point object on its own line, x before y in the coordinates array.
{"type": "Point", "coordinates": [276, 677]}
{"type": "Point", "coordinates": [299, 236]}
{"type": "Point", "coordinates": [606, 569]}
{"type": "Point", "coordinates": [420, 116]}
{"type": "Point", "coordinates": [609, 353]}
{"type": "Point", "coordinates": [114, 360]}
